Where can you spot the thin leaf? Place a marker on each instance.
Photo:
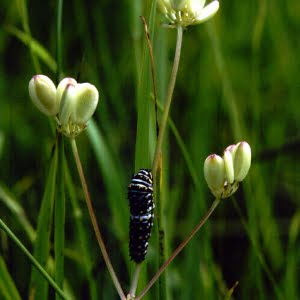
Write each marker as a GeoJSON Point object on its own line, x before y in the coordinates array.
{"type": "Point", "coordinates": [230, 292]}
{"type": "Point", "coordinates": [34, 262]}
{"type": "Point", "coordinates": [7, 286]}
{"type": "Point", "coordinates": [38, 286]}
{"type": "Point", "coordinates": [35, 46]}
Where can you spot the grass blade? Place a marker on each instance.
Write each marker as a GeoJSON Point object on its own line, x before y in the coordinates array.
{"type": "Point", "coordinates": [8, 289]}
{"type": "Point", "coordinates": [38, 286]}
{"type": "Point", "coordinates": [34, 262]}
{"type": "Point", "coordinates": [35, 46]}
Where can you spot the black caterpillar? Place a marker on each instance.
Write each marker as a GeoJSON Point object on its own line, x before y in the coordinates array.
{"type": "Point", "coordinates": [140, 196]}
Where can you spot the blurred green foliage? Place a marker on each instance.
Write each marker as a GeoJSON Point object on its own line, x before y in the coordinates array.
{"type": "Point", "coordinates": [238, 80]}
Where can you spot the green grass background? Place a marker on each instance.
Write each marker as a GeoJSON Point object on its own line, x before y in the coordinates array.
{"type": "Point", "coordinates": [239, 79]}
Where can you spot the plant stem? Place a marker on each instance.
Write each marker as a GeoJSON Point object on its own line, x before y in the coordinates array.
{"type": "Point", "coordinates": [165, 116]}
{"type": "Point", "coordinates": [156, 165]}
{"type": "Point", "coordinates": [59, 217]}
{"type": "Point", "coordinates": [58, 39]}
{"type": "Point", "coordinates": [135, 280]}
{"type": "Point", "coordinates": [179, 248]}
{"type": "Point", "coordinates": [162, 285]}
{"type": "Point", "coordinates": [94, 220]}
{"type": "Point", "coordinates": [33, 260]}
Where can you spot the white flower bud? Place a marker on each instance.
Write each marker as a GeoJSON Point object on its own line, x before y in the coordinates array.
{"type": "Point", "coordinates": [42, 93]}
{"type": "Point", "coordinates": [67, 103]}
{"type": "Point", "coordinates": [62, 86]}
{"type": "Point", "coordinates": [187, 12]}
{"type": "Point", "coordinates": [206, 12]}
{"type": "Point", "coordinates": [214, 173]}
{"type": "Point", "coordinates": [85, 102]}
{"type": "Point", "coordinates": [242, 161]}
{"type": "Point", "coordinates": [194, 5]}
{"type": "Point", "coordinates": [231, 149]}
{"type": "Point", "coordinates": [228, 163]}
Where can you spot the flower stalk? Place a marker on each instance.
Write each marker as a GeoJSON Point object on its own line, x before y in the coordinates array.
{"type": "Point", "coordinates": [94, 221]}
{"type": "Point", "coordinates": [179, 248]}
{"type": "Point", "coordinates": [157, 161]}
{"type": "Point", "coordinates": [134, 282]}
{"type": "Point", "coordinates": [170, 91]}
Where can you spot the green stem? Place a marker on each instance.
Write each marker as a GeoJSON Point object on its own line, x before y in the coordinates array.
{"type": "Point", "coordinates": [32, 259]}
{"type": "Point", "coordinates": [156, 165]}
{"type": "Point", "coordinates": [134, 281]}
{"type": "Point", "coordinates": [162, 286]}
{"type": "Point", "coordinates": [59, 218]}
{"type": "Point", "coordinates": [58, 39]}
{"type": "Point", "coordinates": [165, 116]}
{"type": "Point", "coordinates": [94, 221]}
{"type": "Point", "coordinates": [179, 248]}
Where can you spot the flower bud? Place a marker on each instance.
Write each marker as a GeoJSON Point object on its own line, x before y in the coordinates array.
{"type": "Point", "coordinates": [42, 93]}
{"type": "Point", "coordinates": [231, 149]}
{"type": "Point", "coordinates": [85, 102]}
{"type": "Point", "coordinates": [194, 5]}
{"type": "Point", "coordinates": [205, 13]}
{"type": "Point", "coordinates": [214, 173]}
{"type": "Point", "coordinates": [187, 12]}
{"type": "Point", "coordinates": [62, 86]}
{"type": "Point", "coordinates": [228, 164]}
{"type": "Point", "coordinates": [242, 161]}
{"type": "Point", "coordinates": [67, 103]}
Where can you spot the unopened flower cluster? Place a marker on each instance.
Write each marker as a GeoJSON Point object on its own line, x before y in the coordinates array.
{"type": "Point", "coordinates": [187, 12]}
{"type": "Point", "coordinates": [223, 174]}
{"type": "Point", "coordinates": [72, 104]}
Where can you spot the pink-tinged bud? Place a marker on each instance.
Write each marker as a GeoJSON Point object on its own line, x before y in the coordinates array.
{"type": "Point", "coordinates": [42, 93]}
{"type": "Point", "coordinates": [62, 86]}
{"type": "Point", "coordinates": [231, 149]}
{"type": "Point", "coordinates": [67, 104]}
{"type": "Point", "coordinates": [242, 161]}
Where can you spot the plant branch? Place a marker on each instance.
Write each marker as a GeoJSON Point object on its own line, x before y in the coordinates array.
{"type": "Point", "coordinates": [165, 116]}
{"type": "Point", "coordinates": [179, 248]}
{"type": "Point", "coordinates": [59, 39]}
{"type": "Point", "coordinates": [94, 220]}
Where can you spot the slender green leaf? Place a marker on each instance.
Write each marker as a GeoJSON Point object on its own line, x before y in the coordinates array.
{"type": "Point", "coordinates": [114, 182]}
{"type": "Point", "coordinates": [35, 46]}
{"type": "Point", "coordinates": [17, 210]}
{"type": "Point", "coordinates": [145, 135]}
{"type": "Point", "coordinates": [8, 289]}
{"type": "Point", "coordinates": [38, 285]}
{"type": "Point", "coordinates": [34, 262]}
